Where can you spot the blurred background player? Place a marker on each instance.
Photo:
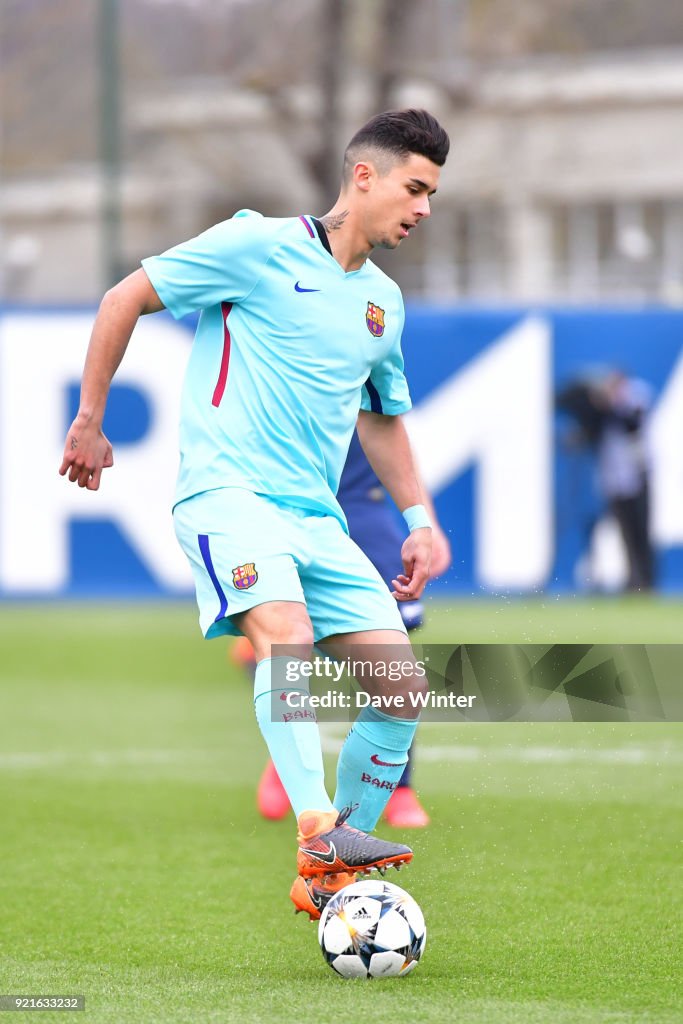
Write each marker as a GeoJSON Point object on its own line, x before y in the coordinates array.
{"type": "Point", "coordinates": [375, 529]}
{"type": "Point", "coordinates": [624, 471]}
{"type": "Point", "coordinates": [611, 410]}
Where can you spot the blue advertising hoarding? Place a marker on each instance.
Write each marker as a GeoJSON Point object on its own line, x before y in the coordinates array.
{"type": "Point", "coordinates": [521, 507]}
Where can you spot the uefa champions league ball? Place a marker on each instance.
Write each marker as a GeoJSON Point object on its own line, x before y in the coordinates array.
{"type": "Point", "coordinates": [372, 929]}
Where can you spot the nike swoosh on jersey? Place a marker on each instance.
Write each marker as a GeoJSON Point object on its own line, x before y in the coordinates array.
{"type": "Point", "coordinates": [298, 288]}
{"type": "Point", "coordinates": [386, 764]}
{"type": "Point", "coordinates": [328, 857]}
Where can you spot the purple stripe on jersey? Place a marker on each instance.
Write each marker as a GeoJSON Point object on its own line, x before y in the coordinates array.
{"type": "Point", "coordinates": [225, 359]}
{"type": "Point", "coordinates": [206, 556]}
{"type": "Point", "coordinates": [375, 400]}
{"type": "Point", "coordinates": [307, 226]}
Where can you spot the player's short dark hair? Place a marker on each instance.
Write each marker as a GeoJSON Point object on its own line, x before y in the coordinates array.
{"type": "Point", "coordinates": [398, 133]}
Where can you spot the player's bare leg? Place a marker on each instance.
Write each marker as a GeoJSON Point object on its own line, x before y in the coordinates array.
{"type": "Point", "coordinates": [380, 647]}
{"type": "Point", "coordinates": [277, 623]}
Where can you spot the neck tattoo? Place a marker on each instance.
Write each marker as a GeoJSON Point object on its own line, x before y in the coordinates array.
{"type": "Point", "coordinates": [333, 221]}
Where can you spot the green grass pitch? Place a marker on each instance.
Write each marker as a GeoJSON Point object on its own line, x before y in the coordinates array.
{"type": "Point", "coordinates": [134, 869]}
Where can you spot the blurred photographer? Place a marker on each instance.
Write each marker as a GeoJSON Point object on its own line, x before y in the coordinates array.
{"type": "Point", "coordinates": [611, 411]}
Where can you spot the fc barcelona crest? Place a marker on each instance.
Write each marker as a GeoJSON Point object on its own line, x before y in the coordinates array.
{"type": "Point", "coordinates": [244, 576]}
{"type": "Point", "coordinates": [374, 318]}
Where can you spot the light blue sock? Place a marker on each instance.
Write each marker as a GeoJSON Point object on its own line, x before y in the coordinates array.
{"type": "Point", "coordinates": [292, 737]}
{"type": "Point", "coordinates": [371, 763]}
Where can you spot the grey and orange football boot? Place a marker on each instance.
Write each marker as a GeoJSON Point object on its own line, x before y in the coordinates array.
{"type": "Point", "coordinates": [328, 846]}
{"type": "Point", "coordinates": [311, 895]}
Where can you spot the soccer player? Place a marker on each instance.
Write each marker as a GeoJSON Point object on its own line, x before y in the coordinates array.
{"type": "Point", "coordinates": [373, 527]}
{"type": "Point", "coordinates": [298, 340]}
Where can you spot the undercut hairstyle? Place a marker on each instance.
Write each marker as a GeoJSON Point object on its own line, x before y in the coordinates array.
{"type": "Point", "coordinates": [391, 137]}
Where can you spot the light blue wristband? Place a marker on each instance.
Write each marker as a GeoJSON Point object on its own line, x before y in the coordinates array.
{"type": "Point", "coordinates": [416, 517]}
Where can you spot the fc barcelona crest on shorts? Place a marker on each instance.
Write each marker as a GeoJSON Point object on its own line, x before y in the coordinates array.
{"type": "Point", "coordinates": [244, 576]}
{"type": "Point", "coordinates": [374, 318]}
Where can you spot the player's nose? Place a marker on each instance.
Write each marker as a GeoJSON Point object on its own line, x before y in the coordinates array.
{"type": "Point", "coordinates": [423, 208]}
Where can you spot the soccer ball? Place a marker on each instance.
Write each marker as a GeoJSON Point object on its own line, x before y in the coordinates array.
{"type": "Point", "coordinates": [372, 929]}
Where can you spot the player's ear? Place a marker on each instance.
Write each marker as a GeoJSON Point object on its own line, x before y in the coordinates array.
{"type": "Point", "coordinates": [363, 174]}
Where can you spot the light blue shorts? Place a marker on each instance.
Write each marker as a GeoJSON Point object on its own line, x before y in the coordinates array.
{"type": "Point", "coordinates": [246, 549]}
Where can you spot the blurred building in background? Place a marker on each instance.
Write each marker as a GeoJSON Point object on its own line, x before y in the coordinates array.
{"type": "Point", "coordinates": [556, 245]}
{"type": "Point", "coordinates": [130, 124]}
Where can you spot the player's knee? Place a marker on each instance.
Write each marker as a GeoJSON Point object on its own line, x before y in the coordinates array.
{"type": "Point", "coordinates": [285, 626]}
{"type": "Point", "coordinates": [295, 634]}
{"type": "Point", "coordinates": [406, 698]}
{"type": "Point", "coordinates": [406, 694]}
{"type": "Point", "coordinates": [415, 688]}
{"type": "Point", "coordinates": [292, 626]}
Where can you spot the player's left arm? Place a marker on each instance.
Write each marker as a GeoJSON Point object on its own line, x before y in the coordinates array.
{"type": "Point", "coordinates": [386, 445]}
{"type": "Point", "coordinates": [442, 556]}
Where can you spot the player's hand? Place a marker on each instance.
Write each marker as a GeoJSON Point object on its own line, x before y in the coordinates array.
{"type": "Point", "coordinates": [86, 453]}
{"type": "Point", "coordinates": [416, 555]}
{"type": "Point", "coordinates": [441, 553]}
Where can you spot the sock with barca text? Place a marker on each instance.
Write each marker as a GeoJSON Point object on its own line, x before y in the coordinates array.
{"type": "Point", "coordinates": [371, 763]}
{"type": "Point", "coordinates": [292, 736]}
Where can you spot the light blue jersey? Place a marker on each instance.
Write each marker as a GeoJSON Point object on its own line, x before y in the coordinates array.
{"type": "Point", "coordinates": [288, 348]}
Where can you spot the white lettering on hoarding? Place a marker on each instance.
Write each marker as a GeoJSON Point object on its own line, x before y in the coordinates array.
{"type": "Point", "coordinates": [497, 413]}
{"type": "Point", "coordinates": [666, 456]}
{"type": "Point", "coordinates": [40, 356]}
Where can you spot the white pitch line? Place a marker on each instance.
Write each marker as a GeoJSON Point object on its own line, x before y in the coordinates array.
{"type": "Point", "coordinates": [469, 754]}
{"type": "Point", "coordinates": [554, 755]}
{"type": "Point", "coordinates": [50, 758]}
{"type": "Point", "coordinates": [457, 753]}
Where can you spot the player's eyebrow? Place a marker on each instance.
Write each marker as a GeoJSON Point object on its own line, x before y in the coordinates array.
{"type": "Point", "coordinates": [422, 185]}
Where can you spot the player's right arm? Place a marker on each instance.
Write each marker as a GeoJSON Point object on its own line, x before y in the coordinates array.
{"type": "Point", "coordinates": [87, 451]}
